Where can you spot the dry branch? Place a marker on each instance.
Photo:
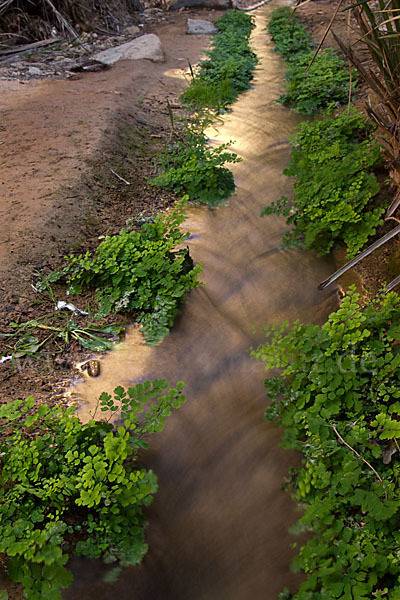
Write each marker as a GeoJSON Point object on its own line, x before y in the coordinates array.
{"type": "Point", "coordinates": [356, 259]}
{"type": "Point", "coordinates": [26, 47]}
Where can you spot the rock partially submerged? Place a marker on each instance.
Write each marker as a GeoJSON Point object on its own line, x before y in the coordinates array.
{"type": "Point", "coordinates": [198, 26]}
{"type": "Point", "coordinates": [145, 47]}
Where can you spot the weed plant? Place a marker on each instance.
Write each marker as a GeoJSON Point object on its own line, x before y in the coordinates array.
{"type": "Point", "coordinates": [289, 35]}
{"type": "Point", "coordinates": [190, 166]}
{"type": "Point", "coordinates": [332, 162]}
{"type": "Point", "coordinates": [31, 337]}
{"type": "Point", "coordinates": [138, 271]}
{"type": "Point", "coordinates": [337, 396]}
{"type": "Point", "coordinates": [229, 67]}
{"type": "Point", "coordinates": [313, 83]}
{"type": "Point", "coordinates": [68, 488]}
{"type": "Point", "coordinates": [312, 89]}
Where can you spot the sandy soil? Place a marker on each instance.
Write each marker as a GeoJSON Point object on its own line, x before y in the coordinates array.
{"type": "Point", "coordinates": [49, 129]}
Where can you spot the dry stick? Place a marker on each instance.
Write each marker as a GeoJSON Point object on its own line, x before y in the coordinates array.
{"type": "Point", "coordinates": [388, 236]}
{"type": "Point", "coordinates": [394, 205]}
{"type": "Point", "coordinates": [62, 19]}
{"type": "Point", "coordinates": [28, 47]}
{"type": "Point", "coordinates": [350, 86]}
{"type": "Point", "coordinates": [298, 5]}
{"type": "Point", "coordinates": [390, 286]}
{"type": "Point", "coordinates": [356, 453]}
{"type": "Point", "coordinates": [5, 5]}
{"type": "Point", "coordinates": [393, 219]}
{"type": "Point", "coordinates": [350, 55]}
{"type": "Point", "coordinates": [119, 177]}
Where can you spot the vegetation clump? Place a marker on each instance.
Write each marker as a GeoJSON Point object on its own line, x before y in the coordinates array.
{"type": "Point", "coordinates": [68, 488]}
{"type": "Point", "coordinates": [337, 397]}
{"type": "Point", "coordinates": [332, 162]}
{"type": "Point", "coordinates": [190, 166]}
{"type": "Point", "coordinates": [138, 271]}
{"type": "Point", "coordinates": [314, 82]}
{"type": "Point", "coordinates": [312, 89]}
{"type": "Point", "coordinates": [289, 35]}
{"type": "Point", "coordinates": [229, 67]}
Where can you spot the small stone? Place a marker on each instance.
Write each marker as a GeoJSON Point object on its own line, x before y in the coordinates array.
{"type": "Point", "coordinates": [34, 71]}
{"type": "Point", "coordinates": [132, 30]}
{"type": "Point", "coordinates": [218, 4]}
{"type": "Point", "coordinates": [198, 26]}
{"type": "Point", "coordinates": [92, 367]}
{"type": "Point", "coordinates": [388, 453]}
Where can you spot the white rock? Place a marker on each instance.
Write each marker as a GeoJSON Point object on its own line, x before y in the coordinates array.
{"type": "Point", "coordinates": [199, 26]}
{"type": "Point", "coordinates": [34, 71]}
{"type": "Point", "coordinates": [145, 47]}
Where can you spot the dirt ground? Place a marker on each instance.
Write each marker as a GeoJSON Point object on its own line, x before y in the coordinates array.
{"type": "Point", "coordinates": [63, 144]}
{"type": "Point", "coordinates": [49, 130]}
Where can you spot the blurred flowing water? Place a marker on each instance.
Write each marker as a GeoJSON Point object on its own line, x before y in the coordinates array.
{"type": "Point", "coordinates": [218, 525]}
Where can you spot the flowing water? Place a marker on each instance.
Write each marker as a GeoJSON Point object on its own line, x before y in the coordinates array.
{"type": "Point", "coordinates": [218, 525]}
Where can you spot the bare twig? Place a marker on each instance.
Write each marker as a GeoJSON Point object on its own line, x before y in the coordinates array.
{"type": "Point", "coordinates": [357, 454]}
{"type": "Point", "coordinates": [390, 286]}
{"type": "Point", "coordinates": [119, 177]}
{"type": "Point", "coordinates": [62, 19]}
{"type": "Point", "coordinates": [392, 219]}
{"type": "Point", "coordinates": [26, 47]}
{"type": "Point", "coordinates": [5, 5]}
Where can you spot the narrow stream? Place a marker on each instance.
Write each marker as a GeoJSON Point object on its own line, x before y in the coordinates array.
{"type": "Point", "coordinates": [218, 525]}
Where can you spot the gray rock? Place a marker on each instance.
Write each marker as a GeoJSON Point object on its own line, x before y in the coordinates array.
{"type": "Point", "coordinates": [34, 71]}
{"type": "Point", "coordinates": [145, 47]}
{"type": "Point", "coordinates": [198, 26]}
{"type": "Point", "coordinates": [218, 4]}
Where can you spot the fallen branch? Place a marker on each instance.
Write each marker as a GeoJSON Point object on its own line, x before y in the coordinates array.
{"type": "Point", "coordinates": [359, 257]}
{"type": "Point", "coordinates": [32, 46]}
